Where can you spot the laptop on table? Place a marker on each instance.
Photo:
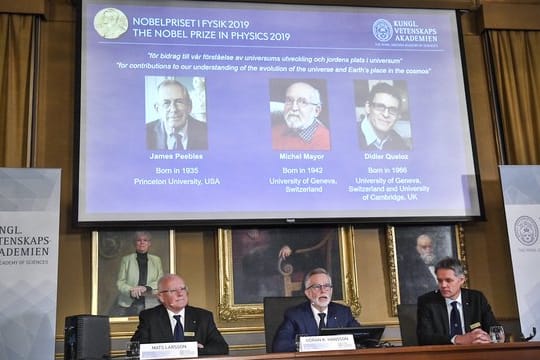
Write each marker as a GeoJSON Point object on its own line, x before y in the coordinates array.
{"type": "Point", "coordinates": [364, 336]}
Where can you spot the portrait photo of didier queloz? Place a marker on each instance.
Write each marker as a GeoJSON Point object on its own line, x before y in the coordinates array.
{"type": "Point", "coordinates": [381, 126]}
{"type": "Point", "coordinates": [175, 128]}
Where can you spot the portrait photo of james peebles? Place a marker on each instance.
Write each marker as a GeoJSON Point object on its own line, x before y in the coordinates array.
{"type": "Point", "coordinates": [299, 114]}
{"type": "Point", "coordinates": [126, 265]}
{"type": "Point", "coordinates": [382, 115]}
{"type": "Point", "coordinates": [176, 113]}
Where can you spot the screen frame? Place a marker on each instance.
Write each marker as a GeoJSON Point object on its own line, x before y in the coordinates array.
{"type": "Point", "coordinates": [288, 221]}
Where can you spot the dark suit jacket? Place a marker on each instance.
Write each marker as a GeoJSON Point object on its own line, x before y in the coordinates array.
{"type": "Point", "coordinates": [156, 137]}
{"type": "Point", "coordinates": [299, 320]}
{"type": "Point", "coordinates": [415, 279]}
{"type": "Point", "coordinates": [433, 324]}
{"type": "Point", "coordinates": [155, 327]}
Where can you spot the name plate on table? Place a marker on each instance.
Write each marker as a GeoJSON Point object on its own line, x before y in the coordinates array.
{"type": "Point", "coordinates": [327, 342]}
{"type": "Point", "coordinates": [173, 350]}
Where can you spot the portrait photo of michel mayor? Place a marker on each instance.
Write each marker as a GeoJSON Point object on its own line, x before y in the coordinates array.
{"type": "Point", "coordinates": [299, 114]}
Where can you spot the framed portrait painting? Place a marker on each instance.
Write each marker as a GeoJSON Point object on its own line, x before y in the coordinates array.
{"type": "Point", "coordinates": [126, 265]}
{"type": "Point", "coordinates": [413, 252]}
{"type": "Point", "coordinates": [256, 263]}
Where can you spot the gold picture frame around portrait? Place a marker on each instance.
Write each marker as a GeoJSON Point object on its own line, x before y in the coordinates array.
{"type": "Point", "coordinates": [410, 277]}
{"type": "Point", "coordinates": [108, 250]}
{"type": "Point", "coordinates": [257, 252]}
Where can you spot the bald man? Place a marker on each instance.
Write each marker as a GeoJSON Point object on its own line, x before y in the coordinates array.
{"type": "Point", "coordinates": [157, 325]}
{"type": "Point", "coordinates": [301, 128]}
{"type": "Point", "coordinates": [175, 129]}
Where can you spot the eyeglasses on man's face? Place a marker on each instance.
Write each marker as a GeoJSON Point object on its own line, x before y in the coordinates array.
{"type": "Point", "coordinates": [300, 102]}
{"type": "Point", "coordinates": [175, 103]}
{"type": "Point", "coordinates": [381, 108]}
{"type": "Point", "coordinates": [319, 287]}
{"type": "Point", "coordinates": [176, 291]}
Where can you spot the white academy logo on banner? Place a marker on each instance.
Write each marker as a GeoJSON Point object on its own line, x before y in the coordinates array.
{"type": "Point", "coordinates": [29, 223]}
{"type": "Point", "coordinates": [521, 189]}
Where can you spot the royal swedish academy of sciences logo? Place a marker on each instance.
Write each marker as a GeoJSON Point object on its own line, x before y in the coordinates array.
{"type": "Point", "coordinates": [526, 230]}
{"type": "Point", "coordinates": [382, 30]}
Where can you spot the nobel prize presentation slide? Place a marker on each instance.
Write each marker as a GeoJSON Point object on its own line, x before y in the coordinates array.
{"type": "Point", "coordinates": [244, 68]}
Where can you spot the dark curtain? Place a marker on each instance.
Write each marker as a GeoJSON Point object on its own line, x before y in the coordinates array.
{"type": "Point", "coordinates": [515, 68]}
{"type": "Point", "coordinates": [17, 49]}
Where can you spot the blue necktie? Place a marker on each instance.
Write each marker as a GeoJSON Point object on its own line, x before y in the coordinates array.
{"type": "Point", "coordinates": [455, 321]}
{"type": "Point", "coordinates": [178, 329]}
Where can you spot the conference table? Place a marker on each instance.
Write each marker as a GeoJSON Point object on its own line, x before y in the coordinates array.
{"type": "Point", "coordinates": [505, 351]}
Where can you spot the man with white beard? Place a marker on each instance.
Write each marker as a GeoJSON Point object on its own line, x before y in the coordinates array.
{"type": "Point", "coordinates": [317, 312]}
{"type": "Point", "coordinates": [424, 247]}
{"type": "Point", "coordinates": [419, 277]}
{"type": "Point", "coordinates": [301, 128]}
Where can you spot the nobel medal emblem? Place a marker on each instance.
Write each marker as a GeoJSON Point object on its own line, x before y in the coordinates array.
{"type": "Point", "coordinates": [110, 23]}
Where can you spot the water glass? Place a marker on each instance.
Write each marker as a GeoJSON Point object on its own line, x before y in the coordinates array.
{"type": "Point", "coordinates": [496, 333]}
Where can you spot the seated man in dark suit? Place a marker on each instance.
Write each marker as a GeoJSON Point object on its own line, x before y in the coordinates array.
{"type": "Point", "coordinates": [308, 317]}
{"type": "Point", "coordinates": [161, 323]}
{"type": "Point", "coordinates": [452, 315]}
{"type": "Point", "coordinates": [176, 129]}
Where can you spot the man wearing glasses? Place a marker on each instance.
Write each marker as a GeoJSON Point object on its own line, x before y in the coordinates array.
{"type": "Point", "coordinates": [174, 320]}
{"type": "Point", "coordinates": [309, 317]}
{"type": "Point", "coordinates": [175, 129]}
{"type": "Point", "coordinates": [300, 129]}
{"type": "Point", "coordinates": [383, 110]}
